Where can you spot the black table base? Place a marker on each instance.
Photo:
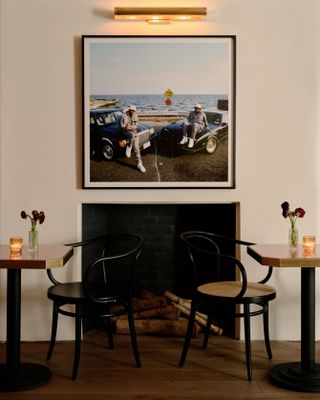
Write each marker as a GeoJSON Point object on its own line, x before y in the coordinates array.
{"type": "Point", "coordinates": [302, 376]}
{"type": "Point", "coordinates": [292, 376]}
{"type": "Point", "coordinates": [27, 376]}
{"type": "Point", "coordinates": [14, 374]}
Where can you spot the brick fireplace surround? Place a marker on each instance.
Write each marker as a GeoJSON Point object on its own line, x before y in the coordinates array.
{"type": "Point", "coordinates": [163, 262]}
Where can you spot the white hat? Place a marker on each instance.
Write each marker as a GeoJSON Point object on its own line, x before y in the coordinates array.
{"type": "Point", "coordinates": [132, 108]}
{"type": "Point", "coordinates": [198, 106]}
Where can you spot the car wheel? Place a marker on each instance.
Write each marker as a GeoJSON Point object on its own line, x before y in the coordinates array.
{"type": "Point", "coordinates": [211, 145]}
{"type": "Point", "coordinates": [107, 151]}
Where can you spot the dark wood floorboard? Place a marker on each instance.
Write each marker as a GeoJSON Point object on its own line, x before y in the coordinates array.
{"type": "Point", "coordinates": [216, 373]}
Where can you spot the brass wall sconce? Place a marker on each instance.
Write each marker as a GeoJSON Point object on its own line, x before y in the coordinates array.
{"type": "Point", "coordinates": [160, 15]}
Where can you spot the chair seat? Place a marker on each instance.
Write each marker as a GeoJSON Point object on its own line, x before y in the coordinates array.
{"type": "Point", "coordinates": [229, 289]}
{"type": "Point", "coordinates": [71, 292]}
{"type": "Point", "coordinates": [74, 293]}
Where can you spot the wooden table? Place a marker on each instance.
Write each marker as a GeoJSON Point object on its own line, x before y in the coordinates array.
{"type": "Point", "coordinates": [16, 375]}
{"type": "Point", "coordinates": [301, 376]}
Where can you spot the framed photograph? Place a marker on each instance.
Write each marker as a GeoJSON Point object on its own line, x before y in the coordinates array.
{"type": "Point", "coordinates": [158, 111]}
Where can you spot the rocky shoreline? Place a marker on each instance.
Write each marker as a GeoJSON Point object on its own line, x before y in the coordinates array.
{"type": "Point", "coordinates": [101, 103]}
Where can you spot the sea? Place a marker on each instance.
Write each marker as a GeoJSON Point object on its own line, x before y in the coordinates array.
{"type": "Point", "coordinates": [156, 102]}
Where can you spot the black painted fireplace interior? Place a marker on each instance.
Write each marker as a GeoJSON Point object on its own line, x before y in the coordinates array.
{"type": "Point", "coordinates": [163, 264]}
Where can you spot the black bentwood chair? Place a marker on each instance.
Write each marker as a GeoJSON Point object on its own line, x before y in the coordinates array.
{"type": "Point", "coordinates": [108, 282]}
{"type": "Point", "coordinates": [211, 293]}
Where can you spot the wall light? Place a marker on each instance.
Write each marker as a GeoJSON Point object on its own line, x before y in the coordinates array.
{"type": "Point", "coordinates": [160, 15]}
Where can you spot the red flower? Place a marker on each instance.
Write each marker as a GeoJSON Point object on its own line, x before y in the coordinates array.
{"type": "Point", "coordinates": [285, 205]}
{"type": "Point", "coordinates": [285, 209]}
{"type": "Point", "coordinates": [23, 215]}
{"type": "Point", "coordinates": [36, 216]}
{"type": "Point", "coordinates": [299, 212]}
{"type": "Point", "coordinates": [293, 215]}
{"type": "Point", "coordinates": [41, 217]}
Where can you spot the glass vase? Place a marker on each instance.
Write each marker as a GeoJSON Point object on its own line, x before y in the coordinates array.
{"type": "Point", "coordinates": [293, 237]}
{"type": "Point", "coordinates": [33, 240]}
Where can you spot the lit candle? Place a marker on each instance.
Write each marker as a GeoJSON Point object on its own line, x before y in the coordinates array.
{"type": "Point", "coordinates": [16, 244]}
{"type": "Point", "coordinates": [308, 244]}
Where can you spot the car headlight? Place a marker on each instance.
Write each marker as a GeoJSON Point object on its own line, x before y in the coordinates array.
{"type": "Point", "coordinates": [122, 143]}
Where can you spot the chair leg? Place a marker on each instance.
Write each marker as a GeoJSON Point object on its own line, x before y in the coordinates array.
{"type": "Point", "coordinates": [77, 346]}
{"type": "Point", "coordinates": [109, 332]}
{"type": "Point", "coordinates": [266, 331]}
{"type": "Point", "coordinates": [187, 339]}
{"type": "Point", "coordinates": [247, 339]}
{"type": "Point", "coordinates": [133, 336]}
{"type": "Point", "coordinates": [54, 325]}
{"type": "Point", "coordinates": [207, 332]}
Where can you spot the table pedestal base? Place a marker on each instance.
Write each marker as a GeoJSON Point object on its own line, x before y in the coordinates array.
{"type": "Point", "coordinates": [28, 376]}
{"type": "Point", "coordinates": [291, 376]}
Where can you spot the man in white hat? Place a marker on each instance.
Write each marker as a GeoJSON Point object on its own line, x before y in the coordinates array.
{"type": "Point", "coordinates": [129, 122]}
{"type": "Point", "coordinates": [197, 120]}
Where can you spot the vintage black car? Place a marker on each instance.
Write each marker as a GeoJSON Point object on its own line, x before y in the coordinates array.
{"type": "Point", "coordinates": [207, 140]}
{"type": "Point", "coordinates": [107, 140]}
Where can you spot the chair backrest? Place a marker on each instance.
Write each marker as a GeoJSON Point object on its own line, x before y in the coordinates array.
{"type": "Point", "coordinates": [109, 278]}
{"type": "Point", "coordinates": [209, 262]}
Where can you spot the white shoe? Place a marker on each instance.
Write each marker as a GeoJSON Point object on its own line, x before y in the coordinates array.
{"type": "Point", "coordinates": [191, 143]}
{"type": "Point", "coordinates": [128, 151]}
{"type": "Point", "coordinates": [141, 167]}
{"type": "Point", "coordinates": [184, 140]}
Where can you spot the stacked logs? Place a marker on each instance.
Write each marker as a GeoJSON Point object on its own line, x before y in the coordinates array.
{"type": "Point", "coordinates": [163, 315]}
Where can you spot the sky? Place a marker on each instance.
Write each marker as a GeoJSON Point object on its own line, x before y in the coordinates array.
{"type": "Point", "coordinates": [151, 67]}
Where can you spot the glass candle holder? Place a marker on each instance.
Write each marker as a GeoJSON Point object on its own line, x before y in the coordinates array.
{"type": "Point", "coordinates": [308, 244]}
{"type": "Point", "coordinates": [16, 243]}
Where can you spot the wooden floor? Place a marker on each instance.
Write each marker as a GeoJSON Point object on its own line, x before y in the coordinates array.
{"type": "Point", "coordinates": [216, 373]}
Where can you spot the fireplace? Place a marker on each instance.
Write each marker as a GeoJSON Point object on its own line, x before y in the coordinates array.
{"type": "Point", "coordinates": [163, 263]}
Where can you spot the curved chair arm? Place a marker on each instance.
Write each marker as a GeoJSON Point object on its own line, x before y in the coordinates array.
{"type": "Point", "coordinates": [132, 255]}
{"type": "Point", "coordinates": [236, 241]}
{"type": "Point", "coordinates": [52, 278]}
{"type": "Point", "coordinates": [87, 241]}
{"type": "Point", "coordinates": [243, 272]}
{"type": "Point", "coordinates": [268, 276]}
{"type": "Point", "coordinates": [216, 235]}
{"type": "Point", "coordinates": [75, 244]}
{"type": "Point", "coordinates": [217, 254]}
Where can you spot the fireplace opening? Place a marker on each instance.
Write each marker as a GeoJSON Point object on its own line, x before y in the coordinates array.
{"type": "Point", "coordinates": [163, 264]}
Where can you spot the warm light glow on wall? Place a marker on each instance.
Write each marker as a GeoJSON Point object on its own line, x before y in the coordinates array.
{"type": "Point", "coordinates": [160, 15]}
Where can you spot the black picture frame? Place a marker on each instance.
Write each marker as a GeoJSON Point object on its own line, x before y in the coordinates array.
{"type": "Point", "coordinates": [164, 77]}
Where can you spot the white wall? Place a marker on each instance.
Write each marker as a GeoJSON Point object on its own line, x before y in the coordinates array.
{"type": "Point", "coordinates": [276, 136]}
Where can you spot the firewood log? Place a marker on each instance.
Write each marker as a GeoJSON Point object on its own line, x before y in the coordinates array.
{"type": "Point", "coordinates": [176, 299]}
{"type": "Point", "coordinates": [144, 294]}
{"type": "Point", "coordinates": [200, 319]}
{"type": "Point", "coordinates": [185, 306]}
{"type": "Point", "coordinates": [156, 327]}
{"type": "Point", "coordinates": [169, 312]}
{"type": "Point", "coordinates": [148, 303]}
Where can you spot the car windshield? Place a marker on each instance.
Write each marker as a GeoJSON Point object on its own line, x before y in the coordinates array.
{"type": "Point", "coordinates": [214, 118]}
{"type": "Point", "coordinates": [106, 118]}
